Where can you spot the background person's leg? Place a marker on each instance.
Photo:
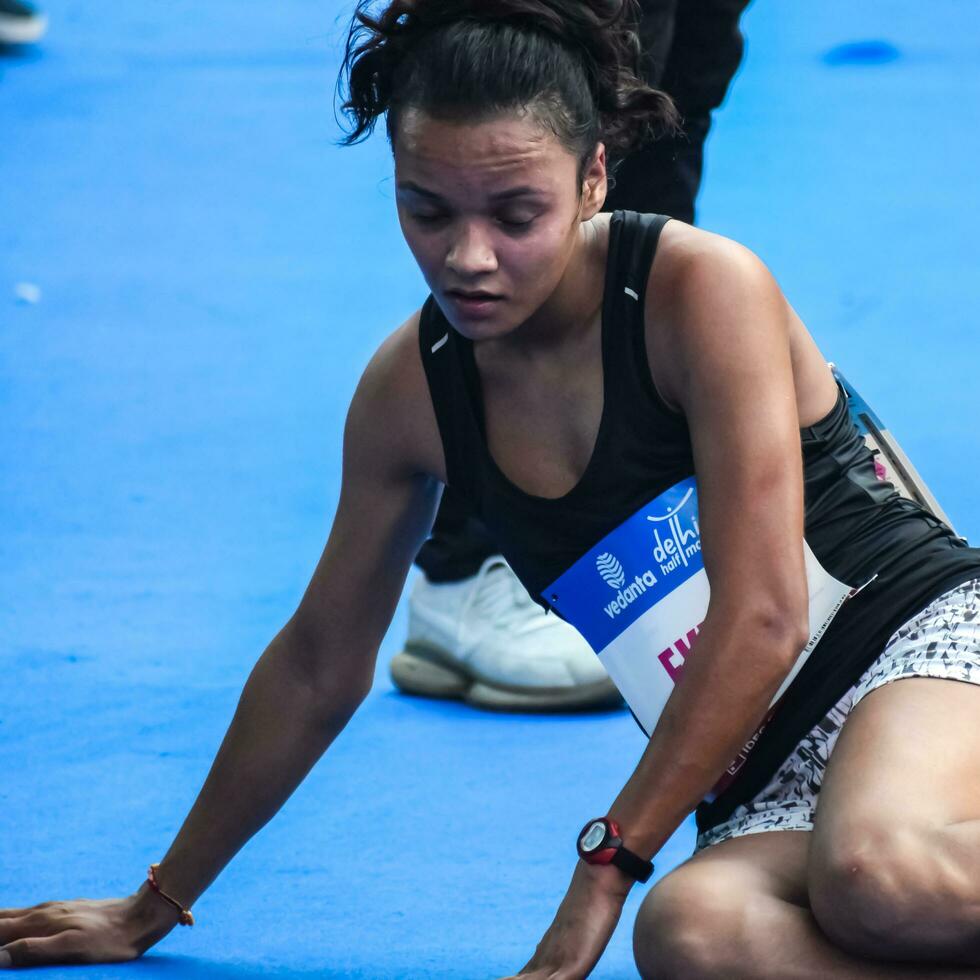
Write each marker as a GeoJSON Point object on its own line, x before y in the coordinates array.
{"type": "Point", "coordinates": [692, 49]}
{"type": "Point", "coordinates": [459, 543]}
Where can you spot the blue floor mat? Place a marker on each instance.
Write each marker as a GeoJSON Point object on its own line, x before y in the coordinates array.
{"type": "Point", "coordinates": [192, 276]}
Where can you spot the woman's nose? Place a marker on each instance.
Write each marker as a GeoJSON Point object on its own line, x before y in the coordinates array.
{"type": "Point", "coordinates": [471, 252]}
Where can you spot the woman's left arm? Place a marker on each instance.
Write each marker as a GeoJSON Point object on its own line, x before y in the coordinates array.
{"type": "Point", "coordinates": [728, 326]}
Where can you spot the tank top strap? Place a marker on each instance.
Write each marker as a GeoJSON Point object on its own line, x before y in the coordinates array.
{"type": "Point", "coordinates": [633, 240]}
{"type": "Point", "coordinates": [636, 243]}
{"type": "Point", "coordinates": [452, 399]}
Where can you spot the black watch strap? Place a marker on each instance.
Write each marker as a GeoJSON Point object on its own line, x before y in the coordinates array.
{"type": "Point", "coordinates": [632, 864]}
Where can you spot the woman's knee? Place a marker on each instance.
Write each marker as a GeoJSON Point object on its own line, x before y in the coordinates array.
{"type": "Point", "coordinates": [873, 890]}
{"type": "Point", "coordinates": [688, 928]}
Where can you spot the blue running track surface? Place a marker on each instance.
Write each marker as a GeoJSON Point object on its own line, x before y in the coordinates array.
{"type": "Point", "coordinates": [192, 276]}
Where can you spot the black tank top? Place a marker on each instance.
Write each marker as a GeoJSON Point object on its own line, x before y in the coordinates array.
{"type": "Point", "coordinates": [856, 525]}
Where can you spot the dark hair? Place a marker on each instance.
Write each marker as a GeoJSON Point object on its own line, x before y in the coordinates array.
{"type": "Point", "coordinates": [572, 63]}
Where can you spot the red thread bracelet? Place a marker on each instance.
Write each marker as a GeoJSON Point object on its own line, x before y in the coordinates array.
{"type": "Point", "coordinates": [186, 916]}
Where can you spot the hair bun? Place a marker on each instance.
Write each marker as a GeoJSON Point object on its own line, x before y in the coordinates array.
{"type": "Point", "coordinates": [510, 50]}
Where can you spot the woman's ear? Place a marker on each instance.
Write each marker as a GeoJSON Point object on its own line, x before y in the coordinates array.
{"type": "Point", "coordinates": [595, 184]}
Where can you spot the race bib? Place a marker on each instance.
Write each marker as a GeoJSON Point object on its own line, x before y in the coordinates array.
{"type": "Point", "coordinates": [639, 598]}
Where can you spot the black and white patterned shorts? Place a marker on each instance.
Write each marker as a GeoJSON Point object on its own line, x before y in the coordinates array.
{"type": "Point", "coordinates": [942, 640]}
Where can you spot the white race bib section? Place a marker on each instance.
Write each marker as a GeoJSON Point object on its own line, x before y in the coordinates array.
{"type": "Point", "coordinates": [639, 597]}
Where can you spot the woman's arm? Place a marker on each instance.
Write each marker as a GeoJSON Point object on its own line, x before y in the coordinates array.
{"type": "Point", "coordinates": [316, 672]}
{"type": "Point", "coordinates": [310, 680]}
{"type": "Point", "coordinates": [727, 325]}
{"type": "Point", "coordinates": [725, 350]}
{"type": "Point", "coordinates": [305, 686]}
{"type": "Point", "coordinates": [728, 358]}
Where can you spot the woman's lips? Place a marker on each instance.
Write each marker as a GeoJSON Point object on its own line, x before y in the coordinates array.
{"type": "Point", "coordinates": [475, 306]}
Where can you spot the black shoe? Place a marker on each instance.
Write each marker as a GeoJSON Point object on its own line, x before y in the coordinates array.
{"type": "Point", "coordinates": [20, 23]}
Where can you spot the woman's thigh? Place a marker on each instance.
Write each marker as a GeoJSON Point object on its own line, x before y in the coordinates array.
{"type": "Point", "coordinates": [696, 918]}
{"type": "Point", "coordinates": [895, 855]}
{"type": "Point", "coordinates": [908, 753]}
{"type": "Point", "coordinates": [907, 756]}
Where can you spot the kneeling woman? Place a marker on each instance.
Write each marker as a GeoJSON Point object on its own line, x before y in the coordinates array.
{"type": "Point", "coordinates": [627, 402]}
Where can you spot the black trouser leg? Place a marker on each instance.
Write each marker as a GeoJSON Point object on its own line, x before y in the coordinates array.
{"type": "Point", "coordinates": [691, 49]}
{"type": "Point", "coordinates": [695, 68]}
{"type": "Point", "coordinates": [459, 543]}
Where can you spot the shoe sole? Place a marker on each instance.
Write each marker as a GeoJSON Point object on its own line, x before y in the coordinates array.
{"type": "Point", "coordinates": [428, 672]}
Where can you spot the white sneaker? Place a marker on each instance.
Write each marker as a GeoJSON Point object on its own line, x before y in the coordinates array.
{"type": "Point", "coordinates": [20, 23]}
{"type": "Point", "coordinates": [486, 641]}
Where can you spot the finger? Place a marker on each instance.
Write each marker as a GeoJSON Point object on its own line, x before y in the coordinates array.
{"type": "Point", "coordinates": [36, 923]}
{"type": "Point", "coordinates": [14, 913]}
{"type": "Point", "coordinates": [65, 947]}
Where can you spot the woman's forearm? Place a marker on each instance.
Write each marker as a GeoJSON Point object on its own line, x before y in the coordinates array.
{"type": "Point", "coordinates": [283, 724]}
{"type": "Point", "coordinates": [729, 680]}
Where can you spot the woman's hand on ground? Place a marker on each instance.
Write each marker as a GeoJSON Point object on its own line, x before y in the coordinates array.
{"type": "Point", "coordinates": [582, 927]}
{"type": "Point", "coordinates": [84, 930]}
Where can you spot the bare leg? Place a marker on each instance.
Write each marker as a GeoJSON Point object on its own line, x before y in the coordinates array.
{"type": "Point", "coordinates": [740, 911]}
{"type": "Point", "coordinates": [790, 946]}
{"type": "Point", "coordinates": [895, 855]}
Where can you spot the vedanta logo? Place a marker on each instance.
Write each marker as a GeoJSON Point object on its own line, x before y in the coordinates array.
{"type": "Point", "coordinates": [613, 574]}
{"type": "Point", "coordinates": [611, 570]}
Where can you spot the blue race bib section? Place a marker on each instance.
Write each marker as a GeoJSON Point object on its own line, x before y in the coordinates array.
{"type": "Point", "coordinates": [632, 569]}
{"type": "Point", "coordinates": [640, 597]}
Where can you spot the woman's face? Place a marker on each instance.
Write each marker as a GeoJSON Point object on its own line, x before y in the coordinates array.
{"type": "Point", "coordinates": [491, 211]}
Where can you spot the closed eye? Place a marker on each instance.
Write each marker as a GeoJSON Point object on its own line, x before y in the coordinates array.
{"type": "Point", "coordinates": [516, 226]}
{"type": "Point", "coordinates": [429, 219]}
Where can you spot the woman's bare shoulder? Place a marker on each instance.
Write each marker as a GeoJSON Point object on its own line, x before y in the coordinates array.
{"type": "Point", "coordinates": [690, 258]}
{"type": "Point", "coordinates": [393, 401]}
{"type": "Point", "coordinates": [697, 284]}
{"type": "Point", "coordinates": [395, 369]}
